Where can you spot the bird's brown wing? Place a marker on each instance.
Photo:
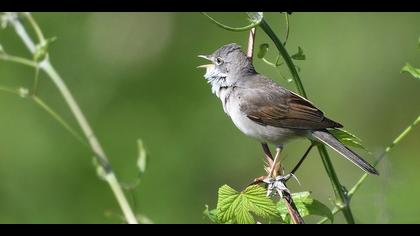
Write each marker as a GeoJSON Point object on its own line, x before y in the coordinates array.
{"type": "Point", "coordinates": [275, 106]}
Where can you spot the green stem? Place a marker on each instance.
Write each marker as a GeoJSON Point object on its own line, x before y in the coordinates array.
{"type": "Point", "coordinates": [9, 90]}
{"type": "Point", "coordinates": [286, 15]}
{"type": "Point", "coordinates": [235, 29]}
{"type": "Point", "coordinates": [36, 27]}
{"type": "Point", "coordinates": [38, 101]}
{"type": "Point", "coordinates": [19, 60]}
{"type": "Point", "coordinates": [381, 157]}
{"type": "Point", "coordinates": [93, 141]}
{"type": "Point", "coordinates": [341, 196]}
{"type": "Point", "coordinates": [58, 118]}
{"type": "Point", "coordinates": [269, 62]}
{"type": "Point", "coordinates": [325, 219]}
{"type": "Point", "coordinates": [46, 66]}
{"type": "Point", "coordinates": [378, 160]}
{"type": "Point", "coordinates": [282, 50]}
{"type": "Point", "coordinates": [342, 201]}
{"type": "Point", "coordinates": [36, 81]}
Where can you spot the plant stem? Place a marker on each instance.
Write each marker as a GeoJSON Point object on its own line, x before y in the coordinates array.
{"type": "Point", "coordinates": [235, 29]}
{"type": "Point", "coordinates": [341, 199]}
{"type": "Point", "coordinates": [46, 66]}
{"type": "Point", "coordinates": [341, 196]}
{"type": "Point", "coordinates": [20, 60]}
{"type": "Point", "coordinates": [378, 160]}
{"type": "Point", "coordinates": [251, 42]}
{"type": "Point", "coordinates": [283, 52]}
{"type": "Point", "coordinates": [57, 117]}
{"type": "Point", "coordinates": [93, 141]}
{"type": "Point", "coordinates": [286, 15]}
{"type": "Point", "coordinates": [291, 206]}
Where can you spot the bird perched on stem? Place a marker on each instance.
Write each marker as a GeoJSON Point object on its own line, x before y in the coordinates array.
{"type": "Point", "coordinates": [264, 110]}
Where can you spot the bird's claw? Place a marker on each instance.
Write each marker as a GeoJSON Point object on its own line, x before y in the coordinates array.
{"type": "Point", "coordinates": [278, 184]}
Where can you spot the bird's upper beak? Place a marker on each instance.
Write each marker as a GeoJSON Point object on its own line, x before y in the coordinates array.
{"type": "Point", "coordinates": [206, 65]}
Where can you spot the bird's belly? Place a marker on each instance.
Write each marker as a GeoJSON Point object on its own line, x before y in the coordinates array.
{"type": "Point", "coordinates": [268, 134]}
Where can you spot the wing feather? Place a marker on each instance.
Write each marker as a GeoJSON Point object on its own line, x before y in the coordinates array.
{"type": "Point", "coordinates": [273, 105]}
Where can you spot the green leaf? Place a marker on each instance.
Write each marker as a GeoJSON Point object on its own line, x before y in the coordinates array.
{"type": "Point", "coordinates": [411, 70]}
{"type": "Point", "coordinates": [306, 206]}
{"type": "Point", "coordinates": [299, 55]}
{"type": "Point", "coordinates": [347, 138]}
{"type": "Point", "coordinates": [211, 214]}
{"type": "Point", "coordinates": [142, 157]}
{"type": "Point", "coordinates": [263, 50]}
{"type": "Point", "coordinates": [236, 207]}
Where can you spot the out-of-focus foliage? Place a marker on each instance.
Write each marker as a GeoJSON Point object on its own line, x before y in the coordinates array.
{"type": "Point", "coordinates": [134, 76]}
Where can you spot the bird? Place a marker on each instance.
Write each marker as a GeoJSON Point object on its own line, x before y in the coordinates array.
{"type": "Point", "coordinates": [264, 110]}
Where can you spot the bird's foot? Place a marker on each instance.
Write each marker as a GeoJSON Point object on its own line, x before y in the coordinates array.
{"type": "Point", "coordinates": [278, 184]}
{"type": "Point", "coordinates": [275, 185]}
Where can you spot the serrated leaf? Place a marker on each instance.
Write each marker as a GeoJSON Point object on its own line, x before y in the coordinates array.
{"type": "Point", "coordinates": [306, 206]}
{"type": "Point", "coordinates": [236, 207]}
{"type": "Point", "coordinates": [299, 55]}
{"type": "Point", "coordinates": [142, 157]}
{"type": "Point", "coordinates": [347, 138]}
{"type": "Point", "coordinates": [263, 50]}
{"type": "Point", "coordinates": [411, 70]}
{"type": "Point", "coordinates": [211, 214]}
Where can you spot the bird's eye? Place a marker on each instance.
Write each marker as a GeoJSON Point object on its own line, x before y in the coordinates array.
{"type": "Point", "coordinates": [219, 60]}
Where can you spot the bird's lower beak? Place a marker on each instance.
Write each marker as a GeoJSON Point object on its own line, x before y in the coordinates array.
{"type": "Point", "coordinates": [207, 65]}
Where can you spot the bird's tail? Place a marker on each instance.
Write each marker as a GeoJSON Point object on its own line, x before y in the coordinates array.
{"type": "Point", "coordinates": [325, 137]}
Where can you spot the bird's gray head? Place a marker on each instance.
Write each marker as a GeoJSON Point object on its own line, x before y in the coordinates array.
{"type": "Point", "coordinates": [228, 64]}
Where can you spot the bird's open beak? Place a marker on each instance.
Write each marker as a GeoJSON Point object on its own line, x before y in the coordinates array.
{"type": "Point", "coordinates": [207, 65]}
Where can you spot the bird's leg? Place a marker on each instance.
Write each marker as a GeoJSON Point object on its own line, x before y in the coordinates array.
{"type": "Point", "coordinates": [268, 156]}
{"type": "Point", "coordinates": [269, 162]}
{"type": "Point", "coordinates": [274, 167]}
{"type": "Point", "coordinates": [292, 173]}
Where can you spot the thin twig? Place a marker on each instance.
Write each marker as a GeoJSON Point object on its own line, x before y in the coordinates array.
{"type": "Point", "coordinates": [378, 160]}
{"type": "Point", "coordinates": [285, 193]}
{"type": "Point", "coordinates": [251, 42]}
{"type": "Point", "coordinates": [276, 160]}
{"type": "Point", "coordinates": [291, 206]}
{"type": "Point", "coordinates": [302, 159]}
{"type": "Point", "coordinates": [235, 29]}
{"type": "Point", "coordinates": [58, 118]}
{"type": "Point", "coordinates": [46, 66]}
{"type": "Point", "coordinates": [341, 197]}
{"type": "Point", "coordinates": [287, 28]}
{"type": "Point", "coordinates": [20, 60]}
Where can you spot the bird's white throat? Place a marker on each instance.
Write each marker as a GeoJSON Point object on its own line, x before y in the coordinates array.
{"type": "Point", "coordinates": [216, 79]}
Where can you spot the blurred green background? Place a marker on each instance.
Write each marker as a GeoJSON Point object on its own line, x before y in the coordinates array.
{"type": "Point", "coordinates": [135, 76]}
